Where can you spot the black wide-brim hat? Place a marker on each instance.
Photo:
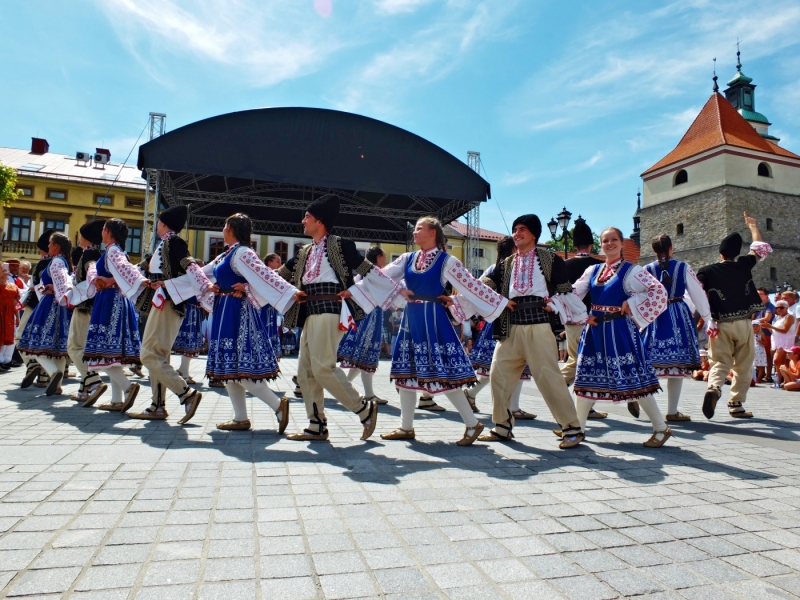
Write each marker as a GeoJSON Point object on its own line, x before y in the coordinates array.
{"type": "Point", "coordinates": [92, 232]}
{"type": "Point", "coordinates": [43, 243]}
{"type": "Point", "coordinates": [532, 222]}
{"type": "Point", "coordinates": [582, 234]}
{"type": "Point", "coordinates": [325, 209]}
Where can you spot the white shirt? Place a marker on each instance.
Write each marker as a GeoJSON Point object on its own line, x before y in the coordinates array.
{"type": "Point", "coordinates": [318, 260]}
{"type": "Point", "coordinates": [155, 260]}
{"type": "Point", "coordinates": [530, 286]}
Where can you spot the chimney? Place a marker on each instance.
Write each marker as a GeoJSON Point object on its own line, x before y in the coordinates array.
{"type": "Point", "coordinates": [39, 146]}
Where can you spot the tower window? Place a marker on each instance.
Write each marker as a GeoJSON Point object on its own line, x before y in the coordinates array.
{"type": "Point", "coordinates": [764, 170]}
{"type": "Point", "coordinates": [679, 229]}
{"type": "Point", "coordinates": [681, 177]}
{"type": "Point", "coordinates": [769, 224]}
{"type": "Point", "coordinates": [773, 273]}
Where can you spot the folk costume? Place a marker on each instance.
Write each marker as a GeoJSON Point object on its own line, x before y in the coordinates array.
{"type": "Point", "coordinates": [612, 362]}
{"type": "Point", "coordinates": [190, 340]}
{"type": "Point", "coordinates": [81, 298]}
{"type": "Point", "coordinates": [240, 353]}
{"type": "Point", "coordinates": [534, 280]}
{"type": "Point", "coordinates": [322, 270]}
{"type": "Point", "coordinates": [113, 337]}
{"type": "Point", "coordinates": [671, 340]}
{"type": "Point", "coordinates": [360, 350]}
{"type": "Point", "coordinates": [733, 298]}
{"type": "Point", "coordinates": [9, 299]}
{"type": "Point", "coordinates": [269, 316]}
{"type": "Point", "coordinates": [428, 356]}
{"type": "Point", "coordinates": [182, 279]}
{"type": "Point", "coordinates": [47, 331]}
{"type": "Point", "coordinates": [29, 301]}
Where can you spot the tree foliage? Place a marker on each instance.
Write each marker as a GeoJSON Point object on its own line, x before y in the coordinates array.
{"type": "Point", "coordinates": [559, 245]}
{"type": "Point", "coordinates": [8, 185]}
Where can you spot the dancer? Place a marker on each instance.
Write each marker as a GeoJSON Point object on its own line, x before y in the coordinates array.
{"type": "Point", "coordinates": [47, 331]}
{"type": "Point", "coordinates": [428, 355]}
{"type": "Point", "coordinates": [483, 349]}
{"type": "Point", "coordinates": [535, 283]}
{"type": "Point", "coordinates": [671, 340]}
{"type": "Point", "coordinates": [9, 317]}
{"type": "Point", "coordinates": [29, 300]}
{"type": "Point", "coordinates": [323, 270]}
{"type": "Point", "coordinates": [113, 337]}
{"type": "Point", "coordinates": [733, 298]}
{"type": "Point", "coordinates": [239, 351]}
{"type": "Point", "coordinates": [190, 340]}
{"type": "Point", "coordinates": [360, 348]}
{"type": "Point", "coordinates": [174, 274]}
{"type": "Point", "coordinates": [81, 298]}
{"type": "Point", "coordinates": [268, 313]}
{"type": "Point", "coordinates": [612, 363]}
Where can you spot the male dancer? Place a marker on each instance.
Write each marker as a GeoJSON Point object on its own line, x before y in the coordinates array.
{"type": "Point", "coordinates": [173, 272]}
{"type": "Point", "coordinates": [81, 297]}
{"type": "Point", "coordinates": [733, 299]}
{"type": "Point", "coordinates": [29, 302]}
{"type": "Point", "coordinates": [323, 270]}
{"type": "Point", "coordinates": [535, 282]}
{"type": "Point", "coordinates": [584, 240]}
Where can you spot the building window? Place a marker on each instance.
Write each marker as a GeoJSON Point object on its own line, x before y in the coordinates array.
{"type": "Point", "coordinates": [478, 252]}
{"type": "Point", "coordinates": [56, 224]}
{"type": "Point", "coordinates": [133, 245]}
{"type": "Point", "coordinates": [763, 170]}
{"type": "Point", "coordinates": [282, 250]}
{"type": "Point", "coordinates": [216, 245]}
{"type": "Point", "coordinates": [681, 177]}
{"type": "Point", "coordinates": [773, 273]}
{"type": "Point", "coordinates": [679, 229]}
{"type": "Point", "coordinates": [20, 229]}
{"type": "Point", "coordinates": [103, 199]}
{"type": "Point", "coordinates": [134, 202]}
{"type": "Point", "coordinates": [769, 224]}
{"type": "Point", "coordinates": [25, 190]}
{"type": "Point", "coordinates": [476, 273]}
{"type": "Point", "coordinates": [56, 194]}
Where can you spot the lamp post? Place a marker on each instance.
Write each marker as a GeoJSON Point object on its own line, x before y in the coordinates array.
{"type": "Point", "coordinates": [564, 218]}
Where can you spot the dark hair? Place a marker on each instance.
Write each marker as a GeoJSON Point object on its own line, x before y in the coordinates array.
{"type": "Point", "coordinates": [661, 246]}
{"type": "Point", "coordinates": [373, 254]}
{"type": "Point", "coordinates": [621, 237]}
{"type": "Point", "coordinates": [505, 247]}
{"type": "Point", "coordinates": [763, 291]}
{"type": "Point", "coordinates": [118, 230]}
{"type": "Point", "coordinates": [241, 226]}
{"type": "Point", "coordinates": [270, 257]}
{"type": "Point", "coordinates": [434, 223]}
{"type": "Point", "coordinates": [64, 246]}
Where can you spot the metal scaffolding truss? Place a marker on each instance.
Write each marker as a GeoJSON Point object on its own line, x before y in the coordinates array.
{"type": "Point", "coordinates": [472, 259]}
{"type": "Point", "coordinates": [157, 128]}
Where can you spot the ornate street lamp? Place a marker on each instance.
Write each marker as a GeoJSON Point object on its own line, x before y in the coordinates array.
{"type": "Point", "coordinates": [564, 218]}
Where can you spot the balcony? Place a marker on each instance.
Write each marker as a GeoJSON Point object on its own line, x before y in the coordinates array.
{"type": "Point", "coordinates": [11, 249]}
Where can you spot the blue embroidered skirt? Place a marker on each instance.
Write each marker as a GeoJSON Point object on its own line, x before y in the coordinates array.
{"type": "Point", "coordinates": [113, 337]}
{"type": "Point", "coordinates": [238, 343]}
{"type": "Point", "coordinates": [360, 348]}
{"type": "Point", "coordinates": [612, 364]}
{"type": "Point", "coordinates": [428, 354]}
{"type": "Point", "coordinates": [190, 340]}
{"type": "Point", "coordinates": [671, 342]}
{"type": "Point", "coordinates": [270, 318]}
{"type": "Point", "coordinates": [483, 351]}
{"type": "Point", "coordinates": [47, 330]}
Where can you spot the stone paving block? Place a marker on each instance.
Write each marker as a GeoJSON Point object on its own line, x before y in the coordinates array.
{"type": "Point", "coordinates": [758, 589]}
{"type": "Point", "coordinates": [506, 570]}
{"type": "Point", "coordinates": [550, 566]}
{"type": "Point", "coordinates": [227, 590]}
{"type": "Point", "coordinates": [595, 561]}
{"type": "Point", "coordinates": [707, 593]}
{"type": "Point", "coordinates": [630, 582]}
{"type": "Point", "coordinates": [168, 592]}
{"type": "Point", "coordinates": [351, 585]}
{"type": "Point", "coordinates": [285, 566]}
{"type": "Point", "coordinates": [16, 560]}
{"type": "Point", "coordinates": [532, 589]}
{"type": "Point", "coordinates": [758, 565]}
{"type": "Point", "coordinates": [45, 581]}
{"type": "Point", "coordinates": [172, 572]}
{"type": "Point", "coordinates": [105, 577]}
{"type": "Point", "coordinates": [24, 540]}
{"type": "Point", "coordinates": [229, 569]}
{"type": "Point", "coordinates": [455, 575]}
{"type": "Point", "coordinates": [401, 581]}
{"type": "Point", "coordinates": [586, 587]}
{"type": "Point", "coordinates": [676, 576]}
{"type": "Point", "coordinates": [293, 588]}
{"type": "Point", "coordinates": [62, 557]}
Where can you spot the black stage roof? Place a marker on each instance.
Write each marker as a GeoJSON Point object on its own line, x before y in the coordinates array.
{"type": "Point", "coordinates": [272, 162]}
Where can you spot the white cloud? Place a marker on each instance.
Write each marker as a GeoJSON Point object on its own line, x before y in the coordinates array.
{"type": "Point", "coordinates": [393, 7]}
{"type": "Point", "coordinates": [541, 171]}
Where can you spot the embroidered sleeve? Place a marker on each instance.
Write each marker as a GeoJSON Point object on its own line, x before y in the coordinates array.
{"type": "Point", "coordinates": [473, 296]}
{"type": "Point", "coordinates": [761, 249]}
{"type": "Point", "coordinates": [648, 298]}
{"type": "Point", "coordinates": [581, 287]}
{"type": "Point", "coordinates": [194, 283]}
{"type": "Point", "coordinates": [264, 286]}
{"type": "Point", "coordinates": [127, 277]}
{"type": "Point", "coordinates": [697, 295]}
{"type": "Point", "coordinates": [364, 268]}
{"type": "Point", "coordinates": [84, 290]}
{"type": "Point", "coordinates": [570, 309]}
{"type": "Point", "coordinates": [376, 289]}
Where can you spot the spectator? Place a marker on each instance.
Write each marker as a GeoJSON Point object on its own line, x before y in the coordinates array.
{"type": "Point", "coordinates": [794, 308]}
{"type": "Point", "coordinates": [766, 316]}
{"type": "Point", "coordinates": [701, 374]}
{"type": "Point", "coordinates": [396, 319]}
{"type": "Point", "coordinates": [25, 272]}
{"type": "Point", "coordinates": [9, 316]}
{"type": "Point", "coordinates": [783, 333]}
{"type": "Point", "coordinates": [760, 360]}
{"type": "Point", "coordinates": [791, 372]}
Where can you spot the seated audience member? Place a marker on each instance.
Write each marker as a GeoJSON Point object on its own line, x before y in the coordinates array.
{"type": "Point", "coordinates": [790, 373]}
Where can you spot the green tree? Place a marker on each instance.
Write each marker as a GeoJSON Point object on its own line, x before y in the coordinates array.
{"type": "Point", "coordinates": [8, 185]}
{"type": "Point", "coordinates": [559, 245]}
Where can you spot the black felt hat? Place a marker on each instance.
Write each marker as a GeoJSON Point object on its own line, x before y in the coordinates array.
{"type": "Point", "coordinates": [731, 246]}
{"type": "Point", "coordinates": [44, 240]}
{"type": "Point", "coordinates": [582, 234]}
{"type": "Point", "coordinates": [532, 222]}
{"type": "Point", "coordinates": [93, 231]}
{"type": "Point", "coordinates": [325, 209]}
{"type": "Point", "coordinates": [175, 217]}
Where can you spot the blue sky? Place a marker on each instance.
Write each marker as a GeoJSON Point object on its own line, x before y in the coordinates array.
{"type": "Point", "coordinates": [568, 102]}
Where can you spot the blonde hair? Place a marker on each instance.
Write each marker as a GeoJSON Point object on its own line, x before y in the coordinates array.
{"type": "Point", "coordinates": [433, 223]}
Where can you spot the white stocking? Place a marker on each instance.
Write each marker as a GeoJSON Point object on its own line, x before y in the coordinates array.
{"type": "Point", "coordinates": [352, 374]}
{"type": "Point", "coordinates": [649, 406]}
{"type": "Point", "coordinates": [183, 370]}
{"type": "Point", "coordinates": [515, 396]}
{"type": "Point", "coordinates": [52, 365]}
{"type": "Point", "coordinates": [476, 389]}
{"type": "Point", "coordinates": [408, 402]}
{"type": "Point", "coordinates": [459, 400]}
{"type": "Point", "coordinates": [674, 385]}
{"type": "Point", "coordinates": [260, 390]}
{"type": "Point", "coordinates": [119, 383]}
{"type": "Point", "coordinates": [583, 406]}
{"type": "Point", "coordinates": [6, 354]}
{"type": "Point", "coordinates": [237, 394]}
{"type": "Point", "coordinates": [366, 379]}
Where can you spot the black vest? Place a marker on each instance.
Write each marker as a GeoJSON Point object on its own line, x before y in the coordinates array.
{"type": "Point", "coordinates": [731, 292]}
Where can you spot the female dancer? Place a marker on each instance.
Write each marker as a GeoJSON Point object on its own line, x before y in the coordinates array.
{"type": "Point", "coordinates": [671, 340]}
{"type": "Point", "coordinates": [239, 350]}
{"type": "Point", "coordinates": [428, 355]}
{"type": "Point", "coordinates": [190, 341]}
{"type": "Point", "coordinates": [483, 350]}
{"type": "Point", "coordinates": [612, 364]}
{"type": "Point", "coordinates": [113, 337]}
{"type": "Point", "coordinates": [360, 348]}
{"type": "Point", "coordinates": [268, 313]}
{"type": "Point", "coordinates": [47, 331]}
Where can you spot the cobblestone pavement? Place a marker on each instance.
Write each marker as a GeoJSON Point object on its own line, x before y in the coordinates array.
{"type": "Point", "coordinates": [97, 506]}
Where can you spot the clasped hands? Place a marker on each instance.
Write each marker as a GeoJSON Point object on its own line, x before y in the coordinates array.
{"type": "Point", "coordinates": [409, 296]}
